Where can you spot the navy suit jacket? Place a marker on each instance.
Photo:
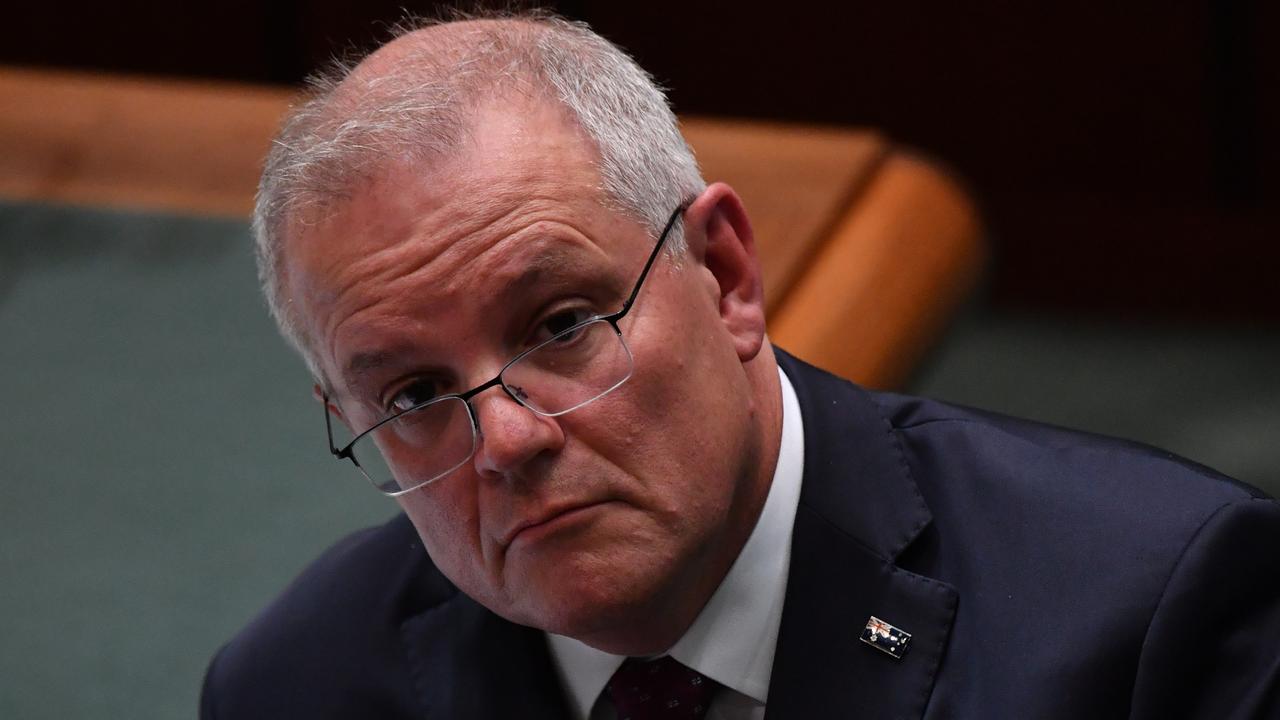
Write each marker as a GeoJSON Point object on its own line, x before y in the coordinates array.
{"type": "Point", "coordinates": [1042, 574]}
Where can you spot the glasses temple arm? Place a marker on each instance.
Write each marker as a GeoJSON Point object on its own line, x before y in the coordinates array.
{"type": "Point", "coordinates": [662, 240]}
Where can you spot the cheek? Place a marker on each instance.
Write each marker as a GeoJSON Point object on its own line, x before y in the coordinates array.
{"type": "Point", "coordinates": [679, 429]}
{"type": "Point", "coordinates": [692, 391]}
{"type": "Point", "coordinates": [448, 524]}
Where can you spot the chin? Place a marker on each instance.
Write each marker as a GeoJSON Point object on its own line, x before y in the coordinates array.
{"type": "Point", "coordinates": [601, 605]}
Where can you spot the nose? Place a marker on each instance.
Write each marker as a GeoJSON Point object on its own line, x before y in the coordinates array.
{"type": "Point", "coordinates": [511, 435]}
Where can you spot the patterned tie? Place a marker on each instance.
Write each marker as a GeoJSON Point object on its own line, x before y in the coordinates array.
{"type": "Point", "coordinates": [661, 689]}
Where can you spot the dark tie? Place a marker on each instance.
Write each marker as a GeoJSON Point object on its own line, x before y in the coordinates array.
{"type": "Point", "coordinates": [661, 689]}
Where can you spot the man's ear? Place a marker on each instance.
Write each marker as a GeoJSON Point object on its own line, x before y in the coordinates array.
{"type": "Point", "coordinates": [318, 393]}
{"type": "Point", "coordinates": [721, 241]}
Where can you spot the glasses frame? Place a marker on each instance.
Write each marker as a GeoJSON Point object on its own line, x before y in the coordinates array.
{"type": "Point", "coordinates": [346, 453]}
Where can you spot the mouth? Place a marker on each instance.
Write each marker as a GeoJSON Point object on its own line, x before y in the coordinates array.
{"type": "Point", "coordinates": [551, 522]}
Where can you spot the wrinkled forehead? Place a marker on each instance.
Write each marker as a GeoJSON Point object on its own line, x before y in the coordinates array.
{"type": "Point", "coordinates": [520, 157]}
{"type": "Point", "coordinates": [513, 142]}
{"type": "Point", "coordinates": [523, 190]}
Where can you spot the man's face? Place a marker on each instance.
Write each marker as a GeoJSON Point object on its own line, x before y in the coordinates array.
{"type": "Point", "coordinates": [582, 524]}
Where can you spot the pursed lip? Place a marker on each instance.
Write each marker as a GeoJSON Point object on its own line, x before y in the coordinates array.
{"type": "Point", "coordinates": [545, 517]}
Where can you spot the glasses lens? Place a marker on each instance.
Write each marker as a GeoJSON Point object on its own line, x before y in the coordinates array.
{"type": "Point", "coordinates": [571, 369]}
{"type": "Point", "coordinates": [417, 447]}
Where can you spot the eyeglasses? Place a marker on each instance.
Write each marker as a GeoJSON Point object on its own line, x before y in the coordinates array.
{"type": "Point", "coordinates": [574, 367]}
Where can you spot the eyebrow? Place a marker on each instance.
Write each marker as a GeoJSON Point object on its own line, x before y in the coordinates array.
{"type": "Point", "coordinates": [544, 266]}
{"type": "Point", "coordinates": [363, 364]}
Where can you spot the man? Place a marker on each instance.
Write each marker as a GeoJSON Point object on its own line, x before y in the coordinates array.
{"type": "Point", "coordinates": [533, 324]}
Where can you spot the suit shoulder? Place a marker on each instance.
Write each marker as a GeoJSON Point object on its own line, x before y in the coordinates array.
{"type": "Point", "coordinates": [329, 629]}
{"type": "Point", "coordinates": [358, 575]}
{"type": "Point", "coordinates": [1015, 494]}
{"type": "Point", "coordinates": [1064, 454]}
{"type": "Point", "coordinates": [1096, 553]}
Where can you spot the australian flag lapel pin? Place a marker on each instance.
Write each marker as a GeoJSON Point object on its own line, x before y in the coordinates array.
{"type": "Point", "coordinates": [886, 638]}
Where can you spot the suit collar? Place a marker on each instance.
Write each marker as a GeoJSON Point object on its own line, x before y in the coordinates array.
{"type": "Point", "coordinates": [846, 436]}
{"type": "Point", "coordinates": [859, 509]}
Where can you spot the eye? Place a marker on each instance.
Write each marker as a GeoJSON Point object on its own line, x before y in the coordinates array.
{"type": "Point", "coordinates": [558, 322]}
{"type": "Point", "coordinates": [414, 393]}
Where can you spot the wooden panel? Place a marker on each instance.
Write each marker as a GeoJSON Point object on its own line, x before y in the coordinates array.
{"type": "Point", "coordinates": [795, 180]}
{"type": "Point", "coordinates": [900, 261]}
{"type": "Point", "coordinates": [181, 146]}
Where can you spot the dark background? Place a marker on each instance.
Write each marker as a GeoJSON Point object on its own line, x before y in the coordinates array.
{"type": "Point", "coordinates": [1124, 154]}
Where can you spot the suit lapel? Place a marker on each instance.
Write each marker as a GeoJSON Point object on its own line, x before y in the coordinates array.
{"type": "Point", "coordinates": [859, 509]}
{"type": "Point", "coordinates": [469, 663]}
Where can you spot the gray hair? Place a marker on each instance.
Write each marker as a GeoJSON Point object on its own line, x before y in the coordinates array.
{"type": "Point", "coordinates": [417, 111]}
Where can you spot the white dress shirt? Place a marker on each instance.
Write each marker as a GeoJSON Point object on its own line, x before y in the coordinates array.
{"type": "Point", "coordinates": [733, 639]}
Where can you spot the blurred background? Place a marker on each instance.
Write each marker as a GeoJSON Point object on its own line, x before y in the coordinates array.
{"type": "Point", "coordinates": [163, 464]}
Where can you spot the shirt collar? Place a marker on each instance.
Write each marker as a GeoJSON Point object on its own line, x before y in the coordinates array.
{"type": "Point", "coordinates": [733, 639]}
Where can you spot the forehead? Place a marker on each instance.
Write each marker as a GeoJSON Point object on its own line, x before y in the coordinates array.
{"type": "Point", "coordinates": [519, 204]}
